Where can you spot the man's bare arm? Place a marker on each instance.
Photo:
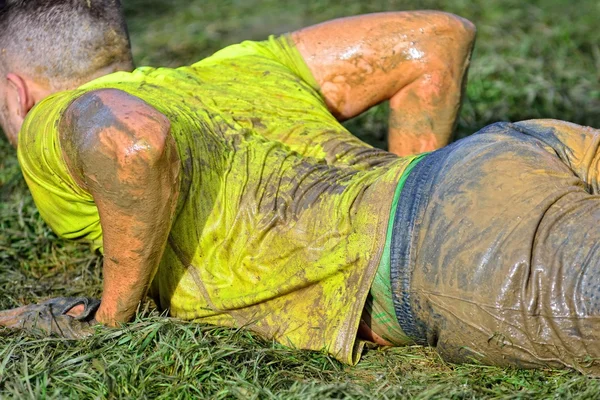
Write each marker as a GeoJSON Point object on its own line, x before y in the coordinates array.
{"type": "Point", "coordinates": [417, 60]}
{"type": "Point", "coordinates": [120, 149]}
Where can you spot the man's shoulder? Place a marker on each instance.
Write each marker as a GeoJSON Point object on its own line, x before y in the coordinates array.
{"type": "Point", "coordinates": [247, 48]}
{"type": "Point", "coordinates": [276, 52]}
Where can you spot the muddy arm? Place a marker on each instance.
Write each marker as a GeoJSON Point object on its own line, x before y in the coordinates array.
{"type": "Point", "coordinates": [120, 149]}
{"type": "Point", "coordinates": [417, 60]}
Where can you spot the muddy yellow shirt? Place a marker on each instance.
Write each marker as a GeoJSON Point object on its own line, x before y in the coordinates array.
{"type": "Point", "coordinates": [282, 216]}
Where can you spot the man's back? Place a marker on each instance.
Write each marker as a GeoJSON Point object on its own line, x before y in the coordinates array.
{"type": "Point", "coordinates": [263, 236]}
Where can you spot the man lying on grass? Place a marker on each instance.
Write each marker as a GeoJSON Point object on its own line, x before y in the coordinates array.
{"type": "Point", "coordinates": [230, 182]}
{"type": "Point", "coordinates": [229, 191]}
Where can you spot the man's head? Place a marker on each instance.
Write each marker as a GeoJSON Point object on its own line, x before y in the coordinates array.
{"type": "Point", "coordinates": [52, 45]}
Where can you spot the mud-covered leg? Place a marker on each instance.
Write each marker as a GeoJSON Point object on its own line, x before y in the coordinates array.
{"type": "Point", "coordinates": [69, 317]}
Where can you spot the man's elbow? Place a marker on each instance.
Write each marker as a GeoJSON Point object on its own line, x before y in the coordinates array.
{"type": "Point", "coordinates": [113, 130]}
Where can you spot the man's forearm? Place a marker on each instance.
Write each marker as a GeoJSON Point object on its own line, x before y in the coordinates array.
{"type": "Point", "coordinates": [423, 114]}
{"type": "Point", "coordinates": [133, 247]}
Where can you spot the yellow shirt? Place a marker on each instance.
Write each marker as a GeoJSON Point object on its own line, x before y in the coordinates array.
{"type": "Point", "coordinates": [282, 216]}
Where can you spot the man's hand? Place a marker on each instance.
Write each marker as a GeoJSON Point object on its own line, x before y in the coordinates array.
{"type": "Point", "coordinates": [120, 149]}
{"type": "Point", "coordinates": [417, 60]}
{"type": "Point", "coordinates": [68, 317]}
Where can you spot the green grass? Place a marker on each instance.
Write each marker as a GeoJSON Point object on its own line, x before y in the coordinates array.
{"type": "Point", "coordinates": [532, 59]}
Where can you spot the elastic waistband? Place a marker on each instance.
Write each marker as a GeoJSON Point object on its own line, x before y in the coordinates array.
{"type": "Point", "coordinates": [407, 223]}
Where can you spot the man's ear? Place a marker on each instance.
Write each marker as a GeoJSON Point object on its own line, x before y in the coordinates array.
{"type": "Point", "coordinates": [25, 99]}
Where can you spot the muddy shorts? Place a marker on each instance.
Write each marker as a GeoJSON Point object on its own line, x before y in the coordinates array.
{"type": "Point", "coordinates": [495, 253]}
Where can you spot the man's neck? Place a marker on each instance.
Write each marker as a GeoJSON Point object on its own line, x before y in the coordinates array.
{"type": "Point", "coordinates": [41, 90]}
{"type": "Point", "coordinates": [124, 66]}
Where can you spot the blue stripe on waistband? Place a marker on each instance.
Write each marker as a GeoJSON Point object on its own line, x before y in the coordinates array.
{"type": "Point", "coordinates": [407, 222]}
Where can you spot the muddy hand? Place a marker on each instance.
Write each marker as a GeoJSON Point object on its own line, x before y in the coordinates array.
{"type": "Point", "coordinates": [55, 316]}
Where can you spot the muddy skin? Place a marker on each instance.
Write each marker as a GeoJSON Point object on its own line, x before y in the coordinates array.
{"type": "Point", "coordinates": [417, 60]}
{"type": "Point", "coordinates": [55, 316]}
{"type": "Point", "coordinates": [121, 151]}
{"type": "Point", "coordinates": [366, 332]}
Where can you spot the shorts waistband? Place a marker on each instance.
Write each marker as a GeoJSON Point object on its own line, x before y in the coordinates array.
{"type": "Point", "coordinates": [407, 223]}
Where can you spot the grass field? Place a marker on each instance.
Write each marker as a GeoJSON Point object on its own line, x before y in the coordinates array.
{"type": "Point", "coordinates": [532, 59]}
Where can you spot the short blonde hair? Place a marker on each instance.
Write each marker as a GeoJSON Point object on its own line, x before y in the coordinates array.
{"type": "Point", "coordinates": [62, 40]}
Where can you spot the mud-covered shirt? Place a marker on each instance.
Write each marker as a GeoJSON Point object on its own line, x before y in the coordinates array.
{"type": "Point", "coordinates": [282, 215]}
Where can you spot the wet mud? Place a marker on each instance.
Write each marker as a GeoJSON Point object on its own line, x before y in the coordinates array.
{"type": "Point", "coordinates": [417, 60]}
{"type": "Point", "coordinates": [55, 317]}
{"type": "Point", "coordinates": [504, 261]}
{"type": "Point", "coordinates": [120, 149]}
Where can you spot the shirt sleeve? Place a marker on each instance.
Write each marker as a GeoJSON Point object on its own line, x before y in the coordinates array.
{"type": "Point", "coordinates": [67, 208]}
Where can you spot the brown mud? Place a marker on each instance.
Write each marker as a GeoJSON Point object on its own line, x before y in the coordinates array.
{"type": "Point", "coordinates": [120, 149]}
{"type": "Point", "coordinates": [417, 60]}
{"type": "Point", "coordinates": [505, 261]}
{"type": "Point", "coordinates": [67, 317]}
